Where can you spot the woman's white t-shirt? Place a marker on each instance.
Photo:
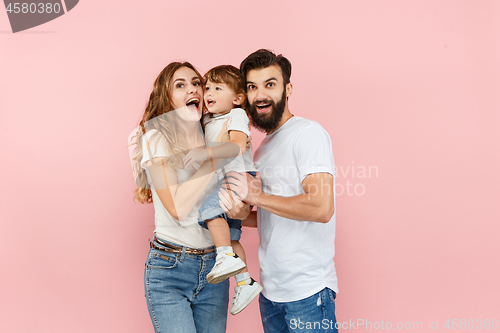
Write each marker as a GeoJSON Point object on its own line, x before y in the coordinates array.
{"type": "Point", "coordinates": [187, 233]}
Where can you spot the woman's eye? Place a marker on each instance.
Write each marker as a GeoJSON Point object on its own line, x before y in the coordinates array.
{"type": "Point", "coordinates": [270, 84]}
{"type": "Point", "coordinates": [251, 87]}
{"type": "Point", "coordinates": [180, 85]}
{"type": "Point", "coordinates": [218, 89]}
{"type": "Point", "coordinates": [196, 84]}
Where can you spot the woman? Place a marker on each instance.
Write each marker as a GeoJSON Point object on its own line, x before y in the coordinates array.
{"type": "Point", "coordinates": [181, 254]}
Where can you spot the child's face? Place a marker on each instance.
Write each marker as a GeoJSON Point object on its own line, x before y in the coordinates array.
{"type": "Point", "coordinates": [219, 98]}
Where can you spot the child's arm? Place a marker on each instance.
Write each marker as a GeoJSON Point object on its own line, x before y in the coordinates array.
{"type": "Point", "coordinates": [232, 148]}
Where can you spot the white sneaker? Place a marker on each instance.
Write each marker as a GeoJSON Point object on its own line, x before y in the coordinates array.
{"type": "Point", "coordinates": [243, 295]}
{"type": "Point", "coordinates": [226, 265]}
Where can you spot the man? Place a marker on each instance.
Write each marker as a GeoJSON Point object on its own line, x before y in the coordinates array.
{"type": "Point", "coordinates": [294, 193]}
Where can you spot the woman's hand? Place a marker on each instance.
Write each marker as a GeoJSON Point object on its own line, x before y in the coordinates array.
{"type": "Point", "coordinates": [249, 142]}
{"type": "Point", "coordinates": [197, 154]}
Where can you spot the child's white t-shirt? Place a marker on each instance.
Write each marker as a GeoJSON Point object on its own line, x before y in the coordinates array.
{"type": "Point", "coordinates": [238, 121]}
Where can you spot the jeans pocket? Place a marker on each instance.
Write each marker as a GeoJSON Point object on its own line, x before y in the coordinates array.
{"type": "Point", "coordinates": [163, 260]}
{"type": "Point", "coordinates": [332, 295]}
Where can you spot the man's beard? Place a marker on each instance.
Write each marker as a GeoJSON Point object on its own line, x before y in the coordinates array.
{"type": "Point", "coordinates": [267, 122]}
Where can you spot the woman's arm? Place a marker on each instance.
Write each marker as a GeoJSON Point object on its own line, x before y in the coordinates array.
{"type": "Point", "coordinates": [179, 200]}
{"type": "Point", "coordinates": [235, 146]}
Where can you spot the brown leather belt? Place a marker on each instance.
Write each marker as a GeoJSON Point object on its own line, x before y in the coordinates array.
{"type": "Point", "coordinates": [177, 249]}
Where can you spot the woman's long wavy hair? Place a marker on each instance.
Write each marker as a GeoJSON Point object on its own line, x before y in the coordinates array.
{"type": "Point", "coordinates": [157, 116]}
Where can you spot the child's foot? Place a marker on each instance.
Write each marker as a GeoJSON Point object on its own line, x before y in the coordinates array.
{"type": "Point", "coordinates": [243, 295]}
{"type": "Point", "coordinates": [226, 265]}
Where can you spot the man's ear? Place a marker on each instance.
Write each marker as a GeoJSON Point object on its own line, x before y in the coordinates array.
{"type": "Point", "coordinates": [288, 88]}
{"type": "Point", "coordinates": [238, 99]}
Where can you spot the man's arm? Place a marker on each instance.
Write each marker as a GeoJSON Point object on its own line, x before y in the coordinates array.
{"type": "Point", "coordinates": [315, 205]}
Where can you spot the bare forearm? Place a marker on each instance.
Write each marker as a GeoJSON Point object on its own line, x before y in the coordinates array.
{"type": "Point", "coordinates": [180, 200]}
{"type": "Point", "coordinates": [300, 207]}
{"type": "Point", "coordinates": [227, 150]}
{"type": "Point", "coordinates": [187, 195]}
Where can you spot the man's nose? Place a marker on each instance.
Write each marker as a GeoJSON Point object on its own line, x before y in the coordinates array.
{"type": "Point", "coordinates": [261, 95]}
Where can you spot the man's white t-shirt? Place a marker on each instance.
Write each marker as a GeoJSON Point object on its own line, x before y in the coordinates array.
{"type": "Point", "coordinates": [296, 257]}
{"type": "Point", "coordinates": [188, 233]}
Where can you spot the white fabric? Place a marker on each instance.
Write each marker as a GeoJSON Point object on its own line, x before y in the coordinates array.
{"type": "Point", "coordinates": [296, 257]}
{"type": "Point", "coordinates": [189, 232]}
{"type": "Point", "coordinates": [238, 121]}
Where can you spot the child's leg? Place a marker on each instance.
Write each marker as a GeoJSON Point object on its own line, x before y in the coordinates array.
{"type": "Point", "coordinates": [246, 288]}
{"type": "Point", "coordinates": [227, 263]}
{"type": "Point", "coordinates": [219, 229]}
{"type": "Point", "coordinates": [238, 249]}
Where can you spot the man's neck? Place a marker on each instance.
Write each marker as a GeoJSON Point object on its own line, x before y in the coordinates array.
{"type": "Point", "coordinates": [284, 118]}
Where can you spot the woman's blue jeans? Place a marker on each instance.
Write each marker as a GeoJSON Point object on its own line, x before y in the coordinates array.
{"type": "Point", "coordinates": [180, 300]}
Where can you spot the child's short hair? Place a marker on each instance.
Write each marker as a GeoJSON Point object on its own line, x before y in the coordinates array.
{"type": "Point", "coordinates": [229, 75]}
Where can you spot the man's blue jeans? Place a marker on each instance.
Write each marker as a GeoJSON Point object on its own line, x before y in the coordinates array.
{"type": "Point", "coordinates": [312, 314]}
{"type": "Point", "coordinates": [180, 300]}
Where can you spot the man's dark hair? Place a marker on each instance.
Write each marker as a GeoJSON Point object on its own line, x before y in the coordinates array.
{"type": "Point", "coordinates": [264, 58]}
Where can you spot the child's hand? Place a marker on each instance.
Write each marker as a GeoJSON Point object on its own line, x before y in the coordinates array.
{"type": "Point", "coordinates": [223, 136]}
{"type": "Point", "coordinates": [196, 155]}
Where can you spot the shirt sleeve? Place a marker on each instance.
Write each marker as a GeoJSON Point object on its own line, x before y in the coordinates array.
{"type": "Point", "coordinates": [157, 146]}
{"type": "Point", "coordinates": [238, 121]}
{"type": "Point", "coordinates": [313, 151]}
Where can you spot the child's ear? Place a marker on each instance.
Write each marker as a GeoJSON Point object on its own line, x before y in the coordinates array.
{"type": "Point", "coordinates": [238, 99]}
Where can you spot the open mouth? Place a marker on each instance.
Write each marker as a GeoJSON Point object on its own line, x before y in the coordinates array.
{"type": "Point", "coordinates": [193, 104]}
{"type": "Point", "coordinates": [210, 102]}
{"type": "Point", "coordinates": [263, 108]}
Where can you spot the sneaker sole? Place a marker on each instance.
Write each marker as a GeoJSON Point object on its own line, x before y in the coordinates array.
{"type": "Point", "coordinates": [250, 299]}
{"type": "Point", "coordinates": [219, 278]}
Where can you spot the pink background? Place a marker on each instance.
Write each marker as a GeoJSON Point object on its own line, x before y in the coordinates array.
{"type": "Point", "coordinates": [410, 88]}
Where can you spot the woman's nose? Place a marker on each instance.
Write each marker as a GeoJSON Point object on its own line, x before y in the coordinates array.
{"type": "Point", "coordinates": [191, 89]}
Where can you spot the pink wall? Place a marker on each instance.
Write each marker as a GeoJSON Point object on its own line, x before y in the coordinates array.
{"type": "Point", "coordinates": [409, 88]}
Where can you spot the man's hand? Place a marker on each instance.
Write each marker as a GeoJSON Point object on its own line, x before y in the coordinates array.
{"type": "Point", "coordinates": [232, 205]}
{"type": "Point", "coordinates": [196, 155]}
{"type": "Point", "coordinates": [246, 187]}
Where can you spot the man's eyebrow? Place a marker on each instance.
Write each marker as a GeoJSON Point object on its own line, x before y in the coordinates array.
{"type": "Point", "coordinates": [270, 79]}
